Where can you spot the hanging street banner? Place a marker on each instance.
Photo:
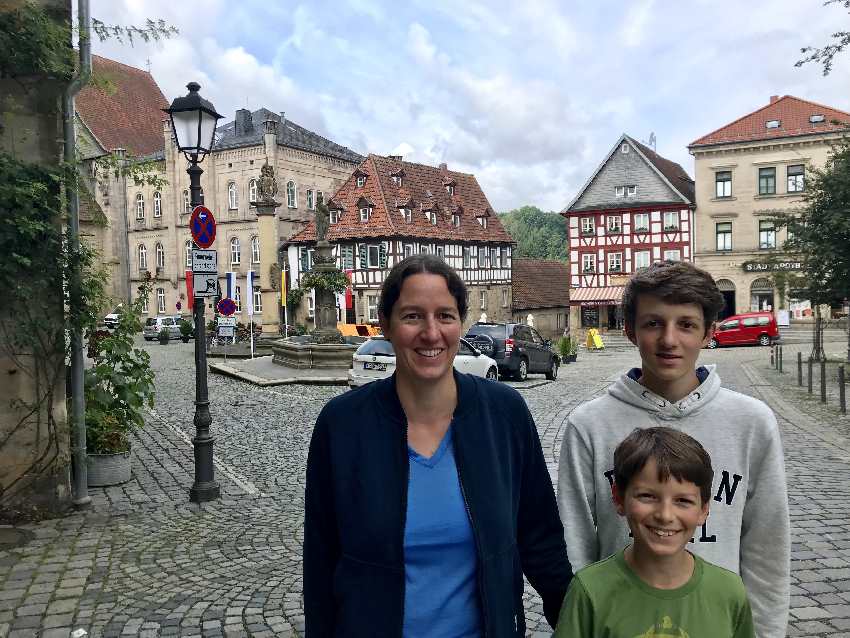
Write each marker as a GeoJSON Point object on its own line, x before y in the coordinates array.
{"type": "Point", "coordinates": [249, 286]}
{"type": "Point", "coordinates": [202, 226]}
{"type": "Point", "coordinates": [204, 261]}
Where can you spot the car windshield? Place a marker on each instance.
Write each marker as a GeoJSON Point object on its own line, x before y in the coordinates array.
{"type": "Point", "coordinates": [496, 331]}
{"type": "Point", "coordinates": [150, 321]}
{"type": "Point", "coordinates": [377, 347]}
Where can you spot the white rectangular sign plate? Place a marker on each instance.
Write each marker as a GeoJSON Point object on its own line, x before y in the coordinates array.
{"type": "Point", "coordinates": [204, 284]}
{"type": "Point", "coordinates": [227, 321]}
{"type": "Point", "coordinates": [204, 260]}
{"type": "Point", "coordinates": [226, 331]}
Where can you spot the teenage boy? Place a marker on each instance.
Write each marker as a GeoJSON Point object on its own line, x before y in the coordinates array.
{"type": "Point", "coordinates": [670, 309]}
{"type": "Point", "coordinates": [655, 587]}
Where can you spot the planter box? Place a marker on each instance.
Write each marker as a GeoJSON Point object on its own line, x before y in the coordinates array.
{"type": "Point", "coordinates": [108, 469]}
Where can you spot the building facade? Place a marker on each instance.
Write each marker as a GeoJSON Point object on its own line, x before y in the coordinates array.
{"type": "Point", "coordinates": [746, 173]}
{"type": "Point", "coordinates": [541, 295]}
{"type": "Point", "coordinates": [390, 209]}
{"type": "Point", "coordinates": [636, 209]}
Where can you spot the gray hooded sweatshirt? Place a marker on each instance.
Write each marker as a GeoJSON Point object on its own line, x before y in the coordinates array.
{"type": "Point", "coordinates": [747, 530]}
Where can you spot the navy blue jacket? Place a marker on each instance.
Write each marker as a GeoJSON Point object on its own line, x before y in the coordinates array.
{"type": "Point", "coordinates": [356, 503]}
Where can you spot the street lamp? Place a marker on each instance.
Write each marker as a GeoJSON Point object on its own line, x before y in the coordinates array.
{"type": "Point", "coordinates": [193, 121]}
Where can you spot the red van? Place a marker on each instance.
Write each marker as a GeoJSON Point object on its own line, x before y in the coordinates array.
{"type": "Point", "coordinates": [750, 327]}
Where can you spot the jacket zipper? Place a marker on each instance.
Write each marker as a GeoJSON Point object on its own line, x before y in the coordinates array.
{"type": "Point", "coordinates": [481, 595]}
{"type": "Point", "coordinates": [406, 458]}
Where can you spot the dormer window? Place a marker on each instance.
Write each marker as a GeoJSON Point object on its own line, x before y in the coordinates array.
{"type": "Point", "coordinates": [772, 124]}
{"type": "Point", "coordinates": [365, 213]}
{"type": "Point", "coordinates": [431, 216]}
{"type": "Point", "coordinates": [361, 181]}
{"type": "Point", "coordinates": [397, 180]}
{"type": "Point", "coordinates": [482, 221]}
{"type": "Point", "coordinates": [456, 220]}
{"type": "Point", "coordinates": [335, 215]}
{"type": "Point", "coordinates": [817, 118]}
{"type": "Point", "coordinates": [450, 189]}
{"type": "Point", "coordinates": [406, 214]}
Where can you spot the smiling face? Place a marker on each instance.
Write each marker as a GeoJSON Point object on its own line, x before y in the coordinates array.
{"type": "Point", "coordinates": [662, 515]}
{"type": "Point", "coordinates": [669, 338]}
{"type": "Point", "coordinates": [424, 328]}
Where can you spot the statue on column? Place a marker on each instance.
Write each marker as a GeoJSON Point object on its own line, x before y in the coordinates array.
{"type": "Point", "coordinates": [267, 184]}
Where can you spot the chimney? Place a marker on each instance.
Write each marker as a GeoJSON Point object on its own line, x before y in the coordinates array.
{"type": "Point", "coordinates": [444, 167]}
{"type": "Point", "coordinates": [774, 98]}
{"type": "Point", "coordinates": [244, 124]}
{"type": "Point", "coordinates": [397, 158]}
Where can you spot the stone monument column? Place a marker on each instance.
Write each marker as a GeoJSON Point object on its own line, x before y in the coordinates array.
{"type": "Point", "coordinates": [268, 233]}
{"type": "Point", "coordinates": [324, 262]}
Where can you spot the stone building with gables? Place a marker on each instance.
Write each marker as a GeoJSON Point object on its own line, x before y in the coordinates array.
{"type": "Point", "coordinates": [636, 208]}
{"type": "Point", "coordinates": [389, 209]}
{"type": "Point", "coordinates": [541, 293]}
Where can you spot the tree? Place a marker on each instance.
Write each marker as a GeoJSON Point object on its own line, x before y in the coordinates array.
{"type": "Point", "coordinates": [826, 54]}
{"type": "Point", "coordinates": [539, 235]}
{"type": "Point", "coordinates": [820, 231]}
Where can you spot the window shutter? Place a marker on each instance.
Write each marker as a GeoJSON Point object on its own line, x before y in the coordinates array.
{"type": "Point", "coordinates": [382, 255]}
{"type": "Point", "coordinates": [363, 262]}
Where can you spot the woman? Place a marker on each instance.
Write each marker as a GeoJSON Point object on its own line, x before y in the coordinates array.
{"type": "Point", "coordinates": [427, 493]}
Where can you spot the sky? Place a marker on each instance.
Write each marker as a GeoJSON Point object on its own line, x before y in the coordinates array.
{"type": "Point", "coordinates": [528, 96]}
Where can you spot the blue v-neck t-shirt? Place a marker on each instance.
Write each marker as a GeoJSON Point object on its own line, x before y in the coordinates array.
{"type": "Point", "coordinates": [440, 561]}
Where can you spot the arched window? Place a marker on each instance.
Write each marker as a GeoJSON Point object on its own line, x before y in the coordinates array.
{"type": "Point", "coordinates": [157, 204]}
{"type": "Point", "coordinates": [235, 254]}
{"type": "Point", "coordinates": [188, 254]}
{"type": "Point", "coordinates": [232, 196]}
{"type": "Point", "coordinates": [255, 249]}
{"type": "Point", "coordinates": [160, 300]}
{"type": "Point", "coordinates": [252, 191]}
{"type": "Point", "coordinates": [187, 204]}
{"type": "Point", "coordinates": [160, 256]}
{"type": "Point", "coordinates": [143, 257]}
{"type": "Point", "coordinates": [291, 195]}
{"type": "Point", "coordinates": [140, 206]}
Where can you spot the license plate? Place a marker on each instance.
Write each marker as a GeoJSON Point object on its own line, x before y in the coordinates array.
{"type": "Point", "coordinates": [368, 365]}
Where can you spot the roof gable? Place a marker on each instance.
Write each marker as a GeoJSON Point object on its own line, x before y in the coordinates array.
{"type": "Point", "coordinates": [792, 114]}
{"type": "Point", "coordinates": [539, 283]}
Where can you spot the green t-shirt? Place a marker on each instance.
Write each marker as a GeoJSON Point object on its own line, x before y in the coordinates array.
{"type": "Point", "coordinates": [608, 600]}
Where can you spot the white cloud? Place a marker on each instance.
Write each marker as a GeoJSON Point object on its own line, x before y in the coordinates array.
{"type": "Point", "coordinates": [635, 23]}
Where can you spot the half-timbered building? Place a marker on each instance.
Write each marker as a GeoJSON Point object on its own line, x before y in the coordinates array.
{"type": "Point", "coordinates": [636, 208]}
{"type": "Point", "coordinates": [390, 209]}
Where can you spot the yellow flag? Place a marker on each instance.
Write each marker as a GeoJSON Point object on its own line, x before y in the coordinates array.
{"type": "Point", "coordinates": [283, 288]}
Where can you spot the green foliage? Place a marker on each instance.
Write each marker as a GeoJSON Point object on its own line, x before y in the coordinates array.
{"type": "Point", "coordinates": [294, 297]}
{"type": "Point", "coordinates": [154, 30]}
{"type": "Point", "coordinates": [34, 43]}
{"type": "Point", "coordinates": [142, 172]}
{"type": "Point", "coordinates": [120, 383]}
{"type": "Point", "coordinates": [335, 281]}
{"type": "Point", "coordinates": [538, 235]}
{"type": "Point", "coordinates": [567, 346]}
{"type": "Point", "coordinates": [825, 55]}
{"type": "Point", "coordinates": [163, 334]}
{"type": "Point", "coordinates": [186, 328]}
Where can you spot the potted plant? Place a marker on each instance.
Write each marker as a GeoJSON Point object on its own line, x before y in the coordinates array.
{"type": "Point", "coordinates": [563, 346]}
{"type": "Point", "coordinates": [185, 330]}
{"type": "Point", "coordinates": [118, 386]}
{"type": "Point", "coordinates": [163, 337]}
{"type": "Point", "coordinates": [573, 349]}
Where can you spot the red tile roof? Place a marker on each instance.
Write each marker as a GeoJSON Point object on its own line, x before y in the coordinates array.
{"type": "Point", "coordinates": [126, 113]}
{"type": "Point", "coordinates": [540, 283]}
{"type": "Point", "coordinates": [422, 189]}
{"type": "Point", "coordinates": [793, 115]}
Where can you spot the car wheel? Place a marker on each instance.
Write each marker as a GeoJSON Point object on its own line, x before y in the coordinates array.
{"type": "Point", "coordinates": [148, 338]}
{"type": "Point", "coordinates": [712, 343]}
{"type": "Point", "coordinates": [493, 373]}
{"type": "Point", "coordinates": [764, 340]}
{"type": "Point", "coordinates": [522, 372]}
{"type": "Point", "coordinates": [552, 373]}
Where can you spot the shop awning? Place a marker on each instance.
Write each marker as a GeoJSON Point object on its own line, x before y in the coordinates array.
{"type": "Point", "coordinates": [605, 296]}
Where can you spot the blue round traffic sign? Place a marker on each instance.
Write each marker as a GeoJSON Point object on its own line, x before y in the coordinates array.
{"type": "Point", "coordinates": [202, 226]}
{"type": "Point", "coordinates": [226, 306]}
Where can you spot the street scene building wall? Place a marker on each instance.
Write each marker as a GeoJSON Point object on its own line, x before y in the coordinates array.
{"type": "Point", "coordinates": [541, 295]}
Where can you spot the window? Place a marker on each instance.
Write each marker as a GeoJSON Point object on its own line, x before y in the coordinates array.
{"type": "Point", "coordinates": [482, 221]}
{"type": "Point", "coordinates": [431, 216]}
{"type": "Point", "coordinates": [723, 232]}
{"type": "Point", "coordinates": [187, 204]}
{"type": "Point", "coordinates": [624, 148]}
{"type": "Point", "coordinates": [237, 298]}
{"type": "Point", "coordinates": [672, 255]}
{"type": "Point", "coordinates": [235, 252]}
{"type": "Point", "coordinates": [619, 191]}
{"type": "Point", "coordinates": [347, 257]}
{"type": "Point", "coordinates": [588, 263]}
{"type": "Point", "coordinates": [311, 306]}
{"type": "Point", "coordinates": [467, 259]}
{"type": "Point", "coordinates": [767, 181]}
{"type": "Point", "coordinates": [334, 216]}
{"type": "Point", "coordinates": [372, 307]}
{"type": "Point", "coordinates": [252, 191]}
{"type": "Point", "coordinates": [723, 184]}
{"type": "Point", "coordinates": [160, 300]}
{"type": "Point", "coordinates": [406, 215]}
{"type": "Point", "coordinates": [615, 224]}
{"type": "Point", "coordinates": [361, 180]}
{"type": "Point", "coordinates": [157, 204]}
{"type": "Point", "coordinates": [767, 235]}
{"type": "Point", "coordinates": [258, 299]}
{"type": "Point", "coordinates": [423, 249]}
{"type": "Point", "coordinates": [291, 195]}
{"type": "Point", "coordinates": [305, 258]}
{"type": "Point", "coordinates": [642, 259]}
{"type": "Point", "coordinates": [504, 297]}
{"type": "Point", "coordinates": [772, 124]}
{"type": "Point", "coordinates": [587, 225]}
{"type": "Point", "coordinates": [145, 304]}
{"type": "Point", "coordinates": [671, 220]}
{"type": "Point", "coordinates": [311, 201]}
{"type": "Point", "coordinates": [143, 257]}
{"type": "Point", "coordinates": [631, 191]}
{"type": "Point", "coordinates": [641, 222]}
{"type": "Point", "coordinates": [494, 258]}
{"type": "Point", "coordinates": [320, 197]}
{"type": "Point", "coordinates": [160, 256]}
{"type": "Point", "coordinates": [408, 250]}
{"type": "Point", "coordinates": [188, 254]}
{"type": "Point", "coordinates": [441, 252]}
{"type": "Point", "coordinates": [365, 213]}
{"type": "Point", "coordinates": [796, 178]}
{"type": "Point", "coordinates": [373, 256]}
{"type": "Point", "coordinates": [482, 258]}
{"type": "Point", "coordinates": [140, 206]}
{"type": "Point", "coordinates": [397, 180]}
{"type": "Point", "coordinates": [232, 196]}
{"type": "Point", "coordinates": [615, 262]}
{"type": "Point", "coordinates": [504, 262]}
{"type": "Point", "coordinates": [456, 220]}
{"type": "Point", "coordinates": [482, 299]}
{"type": "Point", "coordinates": [450, 189]}
{"type": "Point", "coordinates": [255, 250]}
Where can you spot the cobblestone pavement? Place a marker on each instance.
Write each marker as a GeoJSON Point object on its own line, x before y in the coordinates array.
{"type": "Point", "coordinates": [145, 562]}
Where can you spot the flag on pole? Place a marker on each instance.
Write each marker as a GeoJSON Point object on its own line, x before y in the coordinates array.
{"type": "Point", "coordinates": [230, 278]}
{"type": "Point", "coordinates": [189, 291]}
{"type": "Point", "coordinates": [249, 295]}
{"type": "Point", "coordinates": [283, 288]}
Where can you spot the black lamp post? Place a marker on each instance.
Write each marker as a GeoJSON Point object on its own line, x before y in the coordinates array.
{"type": "Point", "coordinates": [193, 121]}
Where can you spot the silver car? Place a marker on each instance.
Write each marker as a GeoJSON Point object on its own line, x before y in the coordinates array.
{"type": "Point", "coordinates": [154, 324]}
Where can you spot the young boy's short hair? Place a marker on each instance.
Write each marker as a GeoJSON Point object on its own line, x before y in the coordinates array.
{"type": "Point", "coordinates": [676, 454]}
{"type": "Point", "coordinates": [677, 282]}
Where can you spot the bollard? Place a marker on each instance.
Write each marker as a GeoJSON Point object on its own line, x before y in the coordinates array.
{"type": "Point", "coordinates": [800, 369]}
{"type": "Point", "coordinates": [772, 356]}
{"type": "Point", "coordinates": [823, 380]}
{"type": "Point", "coordinates": [842, 401]}
{"type": "Point", "coordinates": [780, 359]}
{"type": "Point", "coordinates": [810, 375]}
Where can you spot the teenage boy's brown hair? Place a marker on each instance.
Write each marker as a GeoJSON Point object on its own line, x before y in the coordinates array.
{"type": "Point", "coordinates": [676, 454]}
{"type": "Point", "coordinates": [675, 282]}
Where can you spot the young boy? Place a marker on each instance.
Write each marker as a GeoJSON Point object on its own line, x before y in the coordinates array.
{"type": "Point", "coordinates": [670, 309]}
{"type": "Point", "coordinates": [662, 486]}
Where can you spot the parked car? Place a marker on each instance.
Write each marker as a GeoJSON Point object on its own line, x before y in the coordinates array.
{"type": "Point", "coordinates": [750, 327]}
{"type": "Point", "coordinates": [111, 320]}
{"type": "Point", "coordinates": [154, 324]}
{"type": "Point", "coordinates": [375, 359]}
{"type": "Point", "coordinates": [517, 348]}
